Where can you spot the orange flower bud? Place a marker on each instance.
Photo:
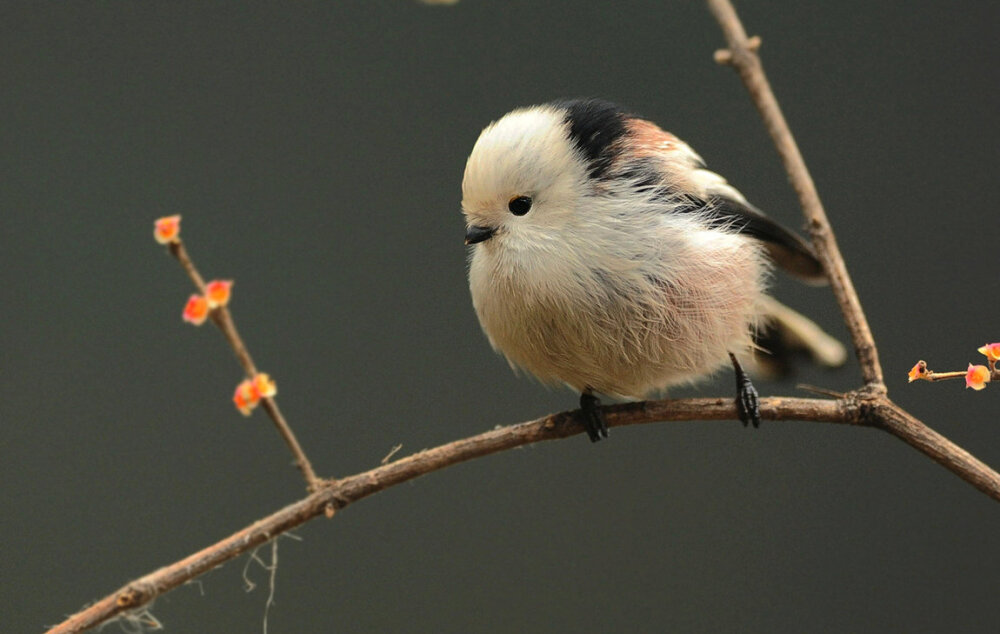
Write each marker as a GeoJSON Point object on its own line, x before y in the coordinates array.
{"type": "Point", "coordinates": [167, 229]}
{"type": "Point", "coordinates": [246, 397]}
{"type": "Point", "coordinates": [196, 310]}
{"type": "Point", "coordinates": [977, 377]}
{"type": "Point", "coordinates": [217, 292]}
{"type": "Point", "coordinates": [918, 371]}
{"type": "Point", "coordinates": [249, 392]}
{"type": "Point", "coordinates": [265, 387]}
{"type": "Point", "coordinates": [992, 351]}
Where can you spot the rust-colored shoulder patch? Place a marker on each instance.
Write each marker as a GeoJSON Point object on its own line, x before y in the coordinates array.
{"type": "Point", "coordinates": [649, 139]}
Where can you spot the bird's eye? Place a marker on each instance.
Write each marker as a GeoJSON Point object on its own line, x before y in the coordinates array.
{"type": "Point", "coordinates": [520, 205]}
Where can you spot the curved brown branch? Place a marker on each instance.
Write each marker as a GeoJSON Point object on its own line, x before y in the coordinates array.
{"type": "Point", "coordinates": [857, 408]}
{"type": "Point", "coordinates": [338, 494]}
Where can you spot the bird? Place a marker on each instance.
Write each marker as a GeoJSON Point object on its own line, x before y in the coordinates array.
{"type": "Point", "coordinates": [605, 255]}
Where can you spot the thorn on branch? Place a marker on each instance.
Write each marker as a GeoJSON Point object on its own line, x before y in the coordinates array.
{"type": "Point", "coordinates": [391, 453]}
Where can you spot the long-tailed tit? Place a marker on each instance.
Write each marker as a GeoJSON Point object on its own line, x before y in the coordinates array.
{"type": "Point", "coordinates": [607, 257]}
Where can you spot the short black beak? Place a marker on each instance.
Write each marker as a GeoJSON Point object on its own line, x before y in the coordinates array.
{"type": "Point", "coordinates": [476, 234]}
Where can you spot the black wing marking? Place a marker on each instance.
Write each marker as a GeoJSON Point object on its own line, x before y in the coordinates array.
{"type": "Point", "coordinates": [594, 127]}
{"type": "Point", "coordinates": [788, 250]}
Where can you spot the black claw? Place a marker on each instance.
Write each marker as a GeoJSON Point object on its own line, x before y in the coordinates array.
{"type": "Point", "coordinates": [747, 400]}
{"type": "Point", "coordinates": [593, 418]}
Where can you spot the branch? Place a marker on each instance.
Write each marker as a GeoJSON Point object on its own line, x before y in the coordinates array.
{"type": "Point", "coordinates": [892, 418]}
{"type": "Point", "coordinates": [338, 494]}
{"type": "Point", "coordinates": [852, 409]}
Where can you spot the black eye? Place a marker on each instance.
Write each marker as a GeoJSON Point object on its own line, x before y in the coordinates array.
{"type": "Point", "coordinates": [520, 205]}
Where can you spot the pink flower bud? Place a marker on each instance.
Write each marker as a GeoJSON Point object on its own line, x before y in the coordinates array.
{"type": "Point", "coordinates": [977, 377]}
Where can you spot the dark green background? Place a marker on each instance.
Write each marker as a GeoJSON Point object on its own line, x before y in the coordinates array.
{"type": "Point", "coordinates": [316, 153]}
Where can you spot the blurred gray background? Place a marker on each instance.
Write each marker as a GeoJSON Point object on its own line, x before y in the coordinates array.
{"type": "Point", "coordinates": [316, 151]}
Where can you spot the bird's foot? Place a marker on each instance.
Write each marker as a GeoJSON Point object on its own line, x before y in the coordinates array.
{"type": "Point", "coordinates": [747, 400]}
{"type": "Point", "coordinates": [593, 418]}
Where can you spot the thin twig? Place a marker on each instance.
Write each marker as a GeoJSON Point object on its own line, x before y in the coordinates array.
{"type": "Point", "coordinates": [223, 319]}
{"type": "Point", "coordinates": [943, 376]}
{"type": "Point", "coordinates": [920, 372]}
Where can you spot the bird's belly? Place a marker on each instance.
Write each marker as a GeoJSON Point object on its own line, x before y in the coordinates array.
{"type": "Point", "coordinates": [631, 336]}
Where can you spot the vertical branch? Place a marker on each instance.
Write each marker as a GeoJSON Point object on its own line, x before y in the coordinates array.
{"type": "Point", "coordinates": [742, 56]}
